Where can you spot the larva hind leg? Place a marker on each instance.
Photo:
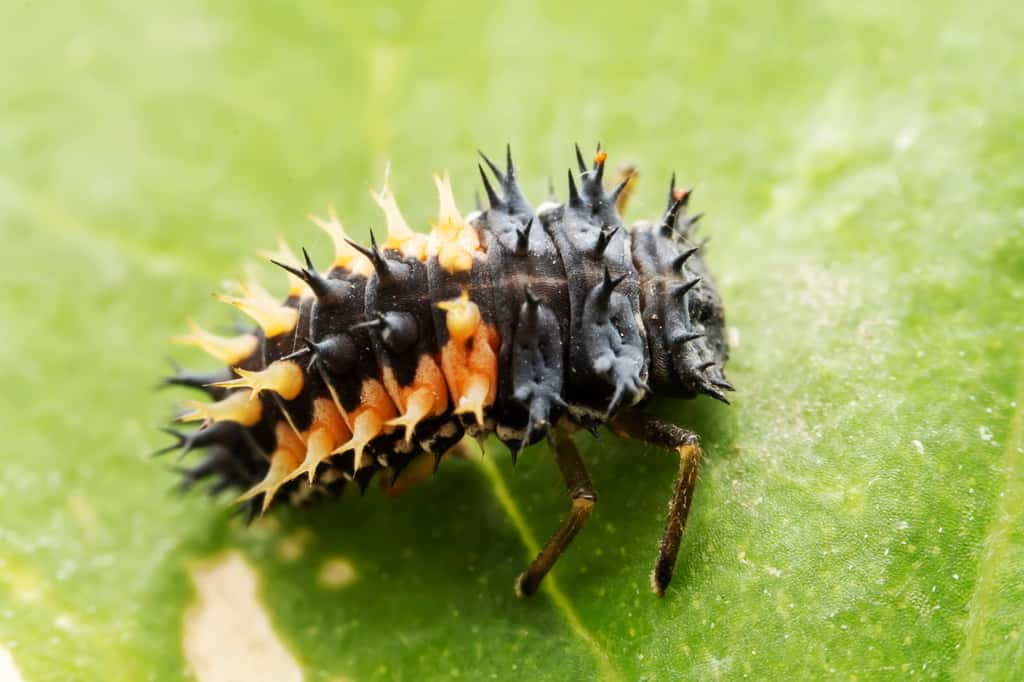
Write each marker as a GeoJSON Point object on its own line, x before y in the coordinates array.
{"type": "Point", "coordinates": [396, 482]}
{"type": "Point", "coordinates": [581, 491]}
{"type": "Point", "coordinates": [686, 444]}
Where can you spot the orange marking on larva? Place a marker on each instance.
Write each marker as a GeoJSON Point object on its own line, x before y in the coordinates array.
{"type": "Point", "coordinates": [679, 193]}
{"type": "Point", "coordinates": [449, 220]}
{"type": "Point", "coordinates": [374, 397]}
{"type": "Point", "coordinates": [471, 368]}
{"type": "Point", "coordinates": [454, 258]}
{"type": "Point", "coordinates": [284, 254]}
{"type": "Point", "coordinates": [469, 359]}
{"type": "Point", "coordinates": [452, 241]}
{"type": "Point", "coordinates": [418, 405]}
{"type": "Point", "coordinates": [600, 157]}
{"type": "Point", "coordinates": [283, 377]}
{"type": "Point", "coordinates": [345, 256]}
{"type": "Point", "coordinates": [400, 235]}
{"type": "Point", "coordinates": [236, 407]}
{"type": "Point", "coordinates": [462, 316]}
{"type": "Point", "coordinates": [326, 431]}
{"type": "Point", "coordinates": [367, 426]}
{"type": "Point", "coordinates": [283, 461]}
{"type": "Point", "coordinates": [367, 421]}
{"type": "Point", "coordinates": [256, 302]}
{"type": "Point", "coordinates": [427, 396]}
{"type": "Point", "coordinates": [230, 350]}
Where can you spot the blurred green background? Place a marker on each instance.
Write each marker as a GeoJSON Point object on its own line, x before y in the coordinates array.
{"type": "Point", "coordinates": [860, 514]}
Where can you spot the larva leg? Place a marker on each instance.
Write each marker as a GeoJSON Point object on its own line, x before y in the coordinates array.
{"type": "Point", "coordinates": [687, 445]}
{"type": "Point", "coordinates": [581, 491]}
{"type": "Point", "coordinates": [422, 467]}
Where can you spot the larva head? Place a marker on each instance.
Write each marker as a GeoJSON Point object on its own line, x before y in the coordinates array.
{"type": "Point", "coordinates": [682, 308]}
{"type": "Point", "coordinates": [699, 353]}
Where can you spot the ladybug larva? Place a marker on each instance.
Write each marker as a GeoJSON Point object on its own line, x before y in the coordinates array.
{"type": "Point", "coordinates": [519, 321]}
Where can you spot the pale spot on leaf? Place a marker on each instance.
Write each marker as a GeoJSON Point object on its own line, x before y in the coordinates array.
{"type": "Point", "coordinates": [22, 581]}
{"type": "Point", "coordinates": [228, 634]}
{"type": "Point", "coordinates": [8, 670]}
{"type": "Point", "coordinates": [336, 573]}
{"type": "Point", "coordinates": [292, 547]}
{"type": "Point", "coordinates": [84, 514]}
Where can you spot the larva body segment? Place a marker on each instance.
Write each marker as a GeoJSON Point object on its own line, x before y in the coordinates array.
{"type": "Point", "coordinates": [511, 320]}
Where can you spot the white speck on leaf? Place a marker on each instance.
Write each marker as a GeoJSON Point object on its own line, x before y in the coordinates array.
{"type": "Point", "coordinates": [63, 622]}
{"type": "Point", "coordinates": [906, 138]}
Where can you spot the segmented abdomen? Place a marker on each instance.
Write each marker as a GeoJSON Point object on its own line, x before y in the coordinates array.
{"type": "Point", "coordinates": [502, 321]}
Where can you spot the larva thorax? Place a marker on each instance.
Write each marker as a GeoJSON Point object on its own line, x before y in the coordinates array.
{"type": "Point", "coordinates": [503, 321]}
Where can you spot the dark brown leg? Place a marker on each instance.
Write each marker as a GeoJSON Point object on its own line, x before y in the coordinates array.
{"type": "Point", "coordinates": [686, 443]}
{"type": "Point", "coordinates": [581, 490]}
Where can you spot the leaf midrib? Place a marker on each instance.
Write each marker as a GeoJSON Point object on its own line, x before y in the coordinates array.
{"type": "Point", "coordinates": [550, 585]}
{"type": "Point", "coordinates": [996, 543]}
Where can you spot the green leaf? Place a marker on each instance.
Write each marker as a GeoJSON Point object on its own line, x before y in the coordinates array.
{"type": "Point", "coordinates": [860, 511]}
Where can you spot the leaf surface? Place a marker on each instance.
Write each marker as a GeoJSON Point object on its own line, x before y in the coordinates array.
{"type": "Point", "coordinates": [860, 511]}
